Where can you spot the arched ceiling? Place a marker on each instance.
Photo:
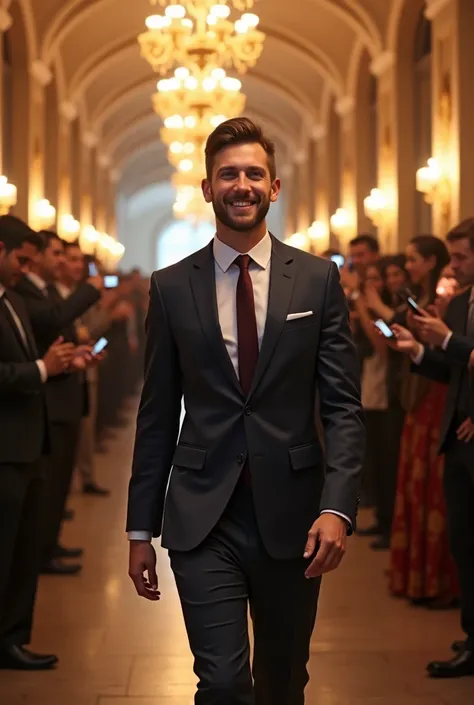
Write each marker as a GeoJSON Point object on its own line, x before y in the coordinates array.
{"type": "Point", "coordinates": [308, 54]}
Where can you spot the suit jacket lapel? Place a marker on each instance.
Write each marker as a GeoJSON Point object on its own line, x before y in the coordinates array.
{"type": "Point", "coordinates": [203, 285]}
{"type": "Point", "coordinates": [279, 297]}
{"type": "Point", "coordinates": [30, 347]}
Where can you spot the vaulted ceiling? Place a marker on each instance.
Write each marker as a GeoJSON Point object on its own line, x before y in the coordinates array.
{"type": "Point", "coordinates": [310, 54]}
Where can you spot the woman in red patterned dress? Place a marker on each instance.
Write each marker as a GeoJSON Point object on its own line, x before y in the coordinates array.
{"type": "Point", "coordinates": [421, 567]}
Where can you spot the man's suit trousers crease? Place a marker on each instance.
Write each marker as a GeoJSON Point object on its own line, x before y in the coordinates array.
{"type": "Point", "coordinates": [216, 582]}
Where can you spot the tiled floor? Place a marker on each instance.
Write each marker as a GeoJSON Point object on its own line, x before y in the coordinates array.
{"type": "Point", "coordinates": [117, 650]}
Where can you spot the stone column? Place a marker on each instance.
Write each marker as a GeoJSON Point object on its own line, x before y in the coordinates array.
{"type": "Point", "coordinates": [453, 107]}
{"type": "Point", "coordinates": [88, 143]}
{"type": "Point", "coordinates": [319, 135]}
{"type": "Point", "coordinates": [5, 24]}
{"type": "Point", "coordinates": [41, 76]}
{"type": "Point", "coordinates": [348, 200]}
{"type": "Point", "coordinates": [68, 113]}
{"type": "Point", "coordinates": [390, 160]}
{"type": "Point", "coordinates": [103, 163]}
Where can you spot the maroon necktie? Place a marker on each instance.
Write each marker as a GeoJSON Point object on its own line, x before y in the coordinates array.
{"type": "Point", "coordinates": [247, 336]}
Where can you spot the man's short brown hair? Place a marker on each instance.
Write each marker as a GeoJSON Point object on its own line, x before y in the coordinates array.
{"type": "Point", "coordinates": [464, 229]}
{"type": "Point", "coordinates": [239, 130]}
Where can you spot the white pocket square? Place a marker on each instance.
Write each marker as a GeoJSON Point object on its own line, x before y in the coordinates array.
{"type": "Point", "coordinates": [293, 316]}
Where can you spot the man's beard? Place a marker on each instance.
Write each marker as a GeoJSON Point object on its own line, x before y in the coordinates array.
{"type": "Point", "coordinates": [237, 224]}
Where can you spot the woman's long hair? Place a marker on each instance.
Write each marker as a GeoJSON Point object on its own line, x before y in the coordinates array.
{"type": "Point", "coordinates": [431, 246]}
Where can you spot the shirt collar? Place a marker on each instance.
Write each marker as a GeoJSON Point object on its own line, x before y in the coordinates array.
{"type": "Point", "coordinates": [36, 280]}
{"type": "Point", "coordinates": [260, 254]}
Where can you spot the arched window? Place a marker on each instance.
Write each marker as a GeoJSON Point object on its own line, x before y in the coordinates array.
{"type": "Point", "coordinates": [181, 239]}
{"type": "Point", "coordinates": [7, 113]}
{"type": "Point", "coordinates": [423, 117]}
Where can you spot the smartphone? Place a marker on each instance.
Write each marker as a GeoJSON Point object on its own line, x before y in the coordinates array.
{"type": "Point", "coordinates": [338, 259]}
{"type": "Point", "coordinates": [99, 346]}
{"type": "Point", "coordinates": [111, 281]}
{"type": "Point", "coordinates": [414, 306]}
{"type": "Point", "coordinates": [93, 271]}
{"type": "Point", "coordinates": [383, 327]}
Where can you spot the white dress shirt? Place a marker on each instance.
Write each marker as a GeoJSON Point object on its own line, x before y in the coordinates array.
{"type": "Point", "coordinates": [38, 282]}
{"type": "Point", "coordinates": [41, 366]}
{"type": "Point", "coordinates": [227, 276]}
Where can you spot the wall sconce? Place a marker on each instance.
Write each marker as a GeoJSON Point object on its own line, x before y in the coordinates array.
{"type": "Point", "coordinates": [299, 240]}
{"type": "Point", "coordinates": [88, 240]}
{"type": "Point", "coordinates": [434, 184]}
{"type": "Point", "coordinates": [376, 207]}
{"type": "Point", "coordinates": [7, 195]}
{"type": "Point", "coordinates": [44, 214]}
{"type": "Point", "coordinates": [68, 228]}
{"type": "Point", "coordinates": [318, 230]}
{"type": "Point", "coordinates": [341, 223]}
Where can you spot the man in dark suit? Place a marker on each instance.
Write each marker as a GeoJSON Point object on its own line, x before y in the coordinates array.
{"type": "Point", "coordinates": [65, 394]}
{"type": "Point", "coordinates": [445, 359]}
{"type": "Point", "coordinates": [252, 332]}
{"type": "Point", "coordinates": [23, 440]}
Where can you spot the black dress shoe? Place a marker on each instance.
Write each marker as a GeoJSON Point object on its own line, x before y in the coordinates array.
{"type": "Point", "coordinates": [62, 552]}
{"type": "Point", "coordinates": [56, 567]}
{"type": "Point", "coordinates": [458, 645]}
{"type": "Point", "coordinates": [461, 665]}
{"type": "Point", "coordinates": [20, 659]}
{"type": "Point", "coordinates": [92, 488]}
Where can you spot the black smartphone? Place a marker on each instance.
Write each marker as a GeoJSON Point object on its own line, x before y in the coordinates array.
{"type": "Point", "coordinates": [99, 346]}
{"type": "Point", "coordinates": [414, 306]}
{"type": "Point", "coordinates": [384, 328]}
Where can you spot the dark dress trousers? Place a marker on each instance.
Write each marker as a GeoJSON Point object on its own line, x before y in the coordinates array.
{"type": "Point", "coordinates": [66, 396]}
{"type": "Point", "coordinates": [23, 440]}
{"type": "Point", "coordinates": [232, 543]}
{"type": "Point", "coordinates": [451, 367]}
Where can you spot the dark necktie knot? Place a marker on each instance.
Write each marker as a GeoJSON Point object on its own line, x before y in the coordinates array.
{"type": "Point", "coordinates": [243, 262]}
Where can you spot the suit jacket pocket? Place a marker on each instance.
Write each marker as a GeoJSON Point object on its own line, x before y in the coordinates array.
{"type": "Point", "coordinates": [305, 456]}
{"type": "Point", "coordinates": [189, 457]}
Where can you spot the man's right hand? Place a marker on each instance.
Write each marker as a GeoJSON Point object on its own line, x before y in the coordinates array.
{"type": "Point", "coordinates": [58, 357]}
{"type": "Point", "coordinates": [97, 282]}
{"type": "Point", "coordinates": [405, 341]}
{"type": "Point", "coordinates": [143, 559]}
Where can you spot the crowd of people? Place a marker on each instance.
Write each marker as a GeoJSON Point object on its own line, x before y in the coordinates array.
{"type": "Point", "coordinates": [412, 317]}
{"type": "Point", "coordinates": [61, 396]}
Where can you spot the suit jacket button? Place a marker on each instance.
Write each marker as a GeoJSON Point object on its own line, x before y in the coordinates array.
{"type": "Point", "coordinates": [248, 410]}
{"type": "Point", "coordinates": [240, 458]}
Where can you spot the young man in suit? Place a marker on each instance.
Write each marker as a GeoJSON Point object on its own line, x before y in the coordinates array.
{"type": "Point", "coordinates": [445, 358]}
{"type": "Point", "coordinates": [23, 440]}
{"type": "Point", "coordinates": [66, 396]}
{"type": "Point", "coordinates": [255, 335]}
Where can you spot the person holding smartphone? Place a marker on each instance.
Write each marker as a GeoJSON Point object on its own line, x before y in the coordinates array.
{"type": "Point", "coordinates": [421, 566]}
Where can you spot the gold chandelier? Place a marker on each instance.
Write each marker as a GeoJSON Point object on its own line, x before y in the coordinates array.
{"type": "Point", "coordinates": [197, 34]}
{"type": "Point", "coordinates": [206, 93]}
{"type": "Point", "coordinates": [191, 107]}
{"type": "Point", "coordinates": [190, 203]}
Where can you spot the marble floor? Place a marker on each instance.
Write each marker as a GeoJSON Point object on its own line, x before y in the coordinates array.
{"type": "Point", "coordinates": [116, 649]}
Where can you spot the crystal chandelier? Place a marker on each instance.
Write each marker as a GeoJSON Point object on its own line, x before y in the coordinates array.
{"type": "Point", "coordinates": [197, 34]}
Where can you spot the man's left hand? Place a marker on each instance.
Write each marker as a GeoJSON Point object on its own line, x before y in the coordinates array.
{"type": "Point", "coordinates": [329, 534]}
{"type": "Point", "coordinates": [432, 330]}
